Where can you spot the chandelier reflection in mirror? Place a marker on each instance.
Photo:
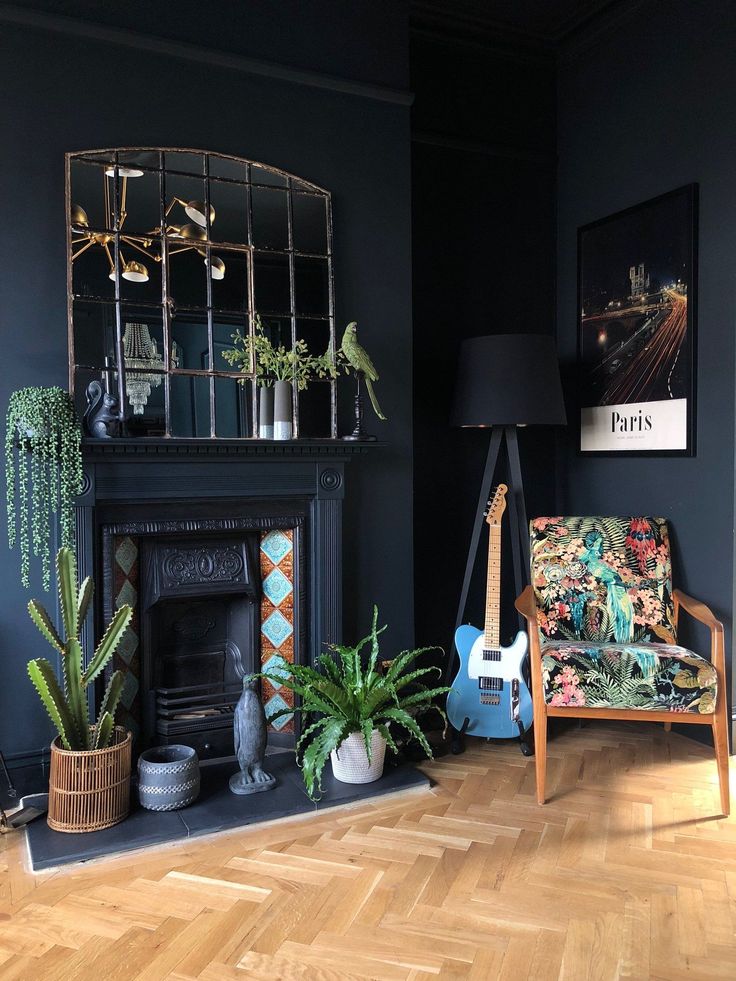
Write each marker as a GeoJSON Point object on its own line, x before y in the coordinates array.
{"type": "Point", "coordinates": [170, 252]}
{"type": "Point", "coordinates": [194, 231]}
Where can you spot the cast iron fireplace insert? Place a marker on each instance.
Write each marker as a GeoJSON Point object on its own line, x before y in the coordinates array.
{"type": "Point", "coordinates": [199, 633]}
{"type": "Point", "coordinates": [195, 584]}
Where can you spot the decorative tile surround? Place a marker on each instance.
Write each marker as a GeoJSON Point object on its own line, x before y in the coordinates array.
{"type": "Point", "coordinates": [277, 618]}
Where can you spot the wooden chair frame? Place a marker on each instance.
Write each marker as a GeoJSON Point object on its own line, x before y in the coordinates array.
{"type": "Point", "coordinates": [718, 720]}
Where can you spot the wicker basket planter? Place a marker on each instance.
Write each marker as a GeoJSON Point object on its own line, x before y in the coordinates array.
{"type": "Point", "coordinates": [90, 789]}
{"type": "Point", "coordinates": [350, 760]}
{"type": "Point", "coordinates": [168, 777]}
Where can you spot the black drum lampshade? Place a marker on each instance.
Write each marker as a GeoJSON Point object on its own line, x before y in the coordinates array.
{"type": "Point", "coordinates": [508, 380]}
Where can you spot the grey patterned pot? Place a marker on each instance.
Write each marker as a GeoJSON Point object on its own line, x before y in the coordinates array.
{"type": "Point", "coordinates": [168, 777]}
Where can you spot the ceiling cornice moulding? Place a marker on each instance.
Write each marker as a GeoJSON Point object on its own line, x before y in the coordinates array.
{"type": "Point", "coordinates": [212, 57]}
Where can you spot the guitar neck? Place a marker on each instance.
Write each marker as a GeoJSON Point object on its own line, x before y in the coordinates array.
{"type": "Point", "coordinates": [491, 633]}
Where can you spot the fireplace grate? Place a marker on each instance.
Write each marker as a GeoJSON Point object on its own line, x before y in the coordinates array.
{"type": "Point", "coordinates": [196, 707]}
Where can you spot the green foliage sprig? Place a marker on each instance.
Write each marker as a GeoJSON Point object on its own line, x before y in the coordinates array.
{"type": "Point", "coordinates": [41, 422]}
{"type": "Point", "coordinates": [341, 696]}
{"type": "Point", "coordinates": [68, 708]}
{"type": "Point", "coordinates": [296, 365]}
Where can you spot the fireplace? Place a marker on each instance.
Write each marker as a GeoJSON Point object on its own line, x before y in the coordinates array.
{"type": "Point", "coordinates": [230, 555]}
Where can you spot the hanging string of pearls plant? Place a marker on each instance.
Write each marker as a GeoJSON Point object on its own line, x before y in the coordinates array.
{"type": "Point", "coordinates": [43, 443]}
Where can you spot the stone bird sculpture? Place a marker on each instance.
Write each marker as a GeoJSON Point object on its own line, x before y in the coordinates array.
{"type": "Point", "coordinates": [359, 359]}
{"type": "Point", "coordinates": [251, 736]}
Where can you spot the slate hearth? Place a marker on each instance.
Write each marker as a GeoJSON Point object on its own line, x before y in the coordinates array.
{"type": "Point", "coordinates": [216, 810]}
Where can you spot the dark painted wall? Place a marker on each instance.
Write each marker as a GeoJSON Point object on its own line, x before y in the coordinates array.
{"type": "Point", "coordinates": [63, 93]}
{"type": "Point", "coordinates": [483, 257]}
{"type": "Point", "coordinates": [648, 108]}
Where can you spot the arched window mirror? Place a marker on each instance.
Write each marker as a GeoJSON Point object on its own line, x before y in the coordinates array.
{"type": "Point", "coordinates": [169, 253]}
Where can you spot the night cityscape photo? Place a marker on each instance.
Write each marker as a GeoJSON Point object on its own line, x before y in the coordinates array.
{"type": "Point", "coordinates": [636, 323]}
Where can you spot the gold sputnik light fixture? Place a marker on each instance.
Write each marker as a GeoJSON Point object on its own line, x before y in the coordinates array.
{"type": "Point", "coordinates": [193, 233]}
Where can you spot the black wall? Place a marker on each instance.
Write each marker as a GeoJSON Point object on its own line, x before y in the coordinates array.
{"type": "Point", "coordinates": [483, 172]}
{"type": "Point", "coordinates": [62, 92]}
{"type": "Point", "coordinates": [647, 108]}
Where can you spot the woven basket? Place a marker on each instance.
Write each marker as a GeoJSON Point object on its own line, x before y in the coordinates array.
{"type": "Point", "coordinates": [89, 789]}
{"type": "Point", "coordinates": [350, 760]}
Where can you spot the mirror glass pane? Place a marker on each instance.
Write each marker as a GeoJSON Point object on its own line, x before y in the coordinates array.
{"type": "Point", "coordinates": [140, 202]}
{"type": "Point", "coordinates": [316, 333]}
{"type": "Point", "coordinates": [232, 408]}
{"type": "Point", "coordinates": [94, 333]}
{"type": "Point", "coordinates": [235, 170]}
{"type": "Point", "coordinates": [144, 402]}
{"type": "Point", "coordinates": [310, 223]}
{"type": "Point", "coordinates": [230, 292]}
{"type": "Point", "coordinates": [188, 163]}
{"type": "Point", "coordinates": [271, 283]}
{"type": "Point", "coordinates": [89, 207]}
{"type": "Point", "coordinates": [133, 159]}
{"type": "Point", "coordinates": [140, 275]}
{"type": "Point", "coordinates": [190, 337]}
{"type": "Point", "coordinates": [315, 411]}
{"type": "Point", "coordinates": [270, 209]}
{"type": "Point", "coordinates": [91, 270]}
{"type": "Point", "coordinates": [187, 277]}
{"type": "Point", "coordinates": [190, 406]}
{"type": "Point", "coordinates": [261, 175]}
{"type": "Point", "coordinates": [230, 204]}
{"type": "Point", "coordinates": [277, 330]}
{"type": "Point", "coordinates": [311, 286]}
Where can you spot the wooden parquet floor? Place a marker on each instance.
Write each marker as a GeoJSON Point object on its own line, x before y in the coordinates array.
{"type": "Point", "coordinates": [625, 873]}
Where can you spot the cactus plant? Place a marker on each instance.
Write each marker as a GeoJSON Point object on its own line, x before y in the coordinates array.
{"type": "Point", "coordinates": [68, 707]}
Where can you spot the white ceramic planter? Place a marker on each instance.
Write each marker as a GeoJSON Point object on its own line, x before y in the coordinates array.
{"type": "Point", "coordinates": [350, 760]}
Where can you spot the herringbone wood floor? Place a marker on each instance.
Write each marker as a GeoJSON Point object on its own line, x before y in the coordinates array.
{"type": "Point", "coordinates": [625, 873]}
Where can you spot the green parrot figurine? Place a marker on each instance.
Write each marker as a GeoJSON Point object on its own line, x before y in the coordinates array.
{"type": "Point", "coordinates": [359, 359]}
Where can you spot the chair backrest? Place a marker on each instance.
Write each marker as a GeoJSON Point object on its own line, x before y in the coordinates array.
{"type": "Point", "coordinates": [602, 579]}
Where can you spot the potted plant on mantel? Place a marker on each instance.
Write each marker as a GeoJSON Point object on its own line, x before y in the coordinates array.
{"type": "Point", "coordinates": [89, 781]}
{"type": "Point", "coordinates": [41, 427]}
{"type": "Point", "coordinates": [354, 706]}
{"type": "Point", "coordinates": [277, 369]}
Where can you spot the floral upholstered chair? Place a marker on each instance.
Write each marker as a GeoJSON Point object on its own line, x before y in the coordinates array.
{"type": "Point", "coordinates": [602, 619]}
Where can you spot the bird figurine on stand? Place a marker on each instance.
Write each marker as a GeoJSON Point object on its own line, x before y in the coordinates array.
{"type": "Point", "coordinates": [250, 730]}
{"type": "Point", "coordinates": [359, 360]}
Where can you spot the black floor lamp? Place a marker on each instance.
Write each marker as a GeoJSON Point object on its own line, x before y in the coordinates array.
{"type": "Point", "coordinates": [505, 381]}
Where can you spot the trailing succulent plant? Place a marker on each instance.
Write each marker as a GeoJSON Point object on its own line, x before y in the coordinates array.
{"type": "Point", "coordinates": [343, 695]}
{"type": "Point", "coordinates": [68, 708]}
{"type": "Point", "coordinates": [42, 440]}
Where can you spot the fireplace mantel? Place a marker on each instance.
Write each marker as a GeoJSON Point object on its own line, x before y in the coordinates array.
{"type": "Point", "coordinates": [137, 482]}
{"type": "Point", "coordinates": [142, 448]}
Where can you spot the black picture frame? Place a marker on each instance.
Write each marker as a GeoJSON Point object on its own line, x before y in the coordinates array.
{"type": "Point", "coordinates": [636, 355]}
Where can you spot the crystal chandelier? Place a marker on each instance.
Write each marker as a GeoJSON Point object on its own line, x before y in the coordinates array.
{"type": "Point", "coordinates": [143, 365]}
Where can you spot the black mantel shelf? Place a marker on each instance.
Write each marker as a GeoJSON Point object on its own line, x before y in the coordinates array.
{"type": "Point", "coordinates": [155, 448]}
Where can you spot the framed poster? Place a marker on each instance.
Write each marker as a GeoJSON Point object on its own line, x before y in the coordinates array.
{"type": "Point", "coordinates": [637, 281]}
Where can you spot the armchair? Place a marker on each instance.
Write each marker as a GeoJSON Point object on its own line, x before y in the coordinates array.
{"type": "Point", "coordinates": [602, 618]}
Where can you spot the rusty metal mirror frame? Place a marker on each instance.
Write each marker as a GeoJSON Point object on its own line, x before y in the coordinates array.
{"type": "Point", "coordinates": [161, 162]}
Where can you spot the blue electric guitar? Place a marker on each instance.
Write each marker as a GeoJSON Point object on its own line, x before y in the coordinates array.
{"type": "Point", "coordinates": [489, 696]}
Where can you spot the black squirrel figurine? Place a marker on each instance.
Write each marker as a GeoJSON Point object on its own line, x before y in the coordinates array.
{"type": "Point", "coordinates": [101, 411]}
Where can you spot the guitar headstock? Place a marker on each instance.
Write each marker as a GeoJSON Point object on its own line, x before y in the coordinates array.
{"type": "Point", "coordinates": [497, 505]}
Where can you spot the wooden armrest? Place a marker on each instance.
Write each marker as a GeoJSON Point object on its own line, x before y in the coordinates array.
{"type": "Point", "coordinates": [526, 604]}
{"type": "Point", "coordinates": [699, 611]}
